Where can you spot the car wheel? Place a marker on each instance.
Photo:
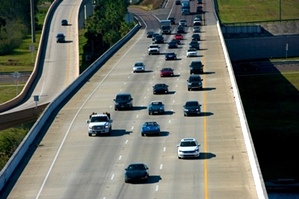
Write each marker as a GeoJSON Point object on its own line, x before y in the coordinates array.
{"type": "Point", "coordinates": [142, 134]}
{"type": "Point", "coordinates": [189, 89]}
{"type": "Point", "coordinates": [179, 157]}
{"type": "Point", "coordinates": [150, 113]}
{"type": "Point", "coordinates": [89, 134]}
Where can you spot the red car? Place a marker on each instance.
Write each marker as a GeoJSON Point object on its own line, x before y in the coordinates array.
{"type": "Point", "coordinates": [166, 72]}
{"type": "Point", "coordinates": [178, 36]}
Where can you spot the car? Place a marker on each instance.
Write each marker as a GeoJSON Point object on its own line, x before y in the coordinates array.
{"type": "Point", "coordinates": [199, 9]}
{"type": "Point", "coordinates": [159, 39]}
{"type": "Point", "coordinates": [154, 35]}
{"type": "Point", "coordinates": [196, 67]}
{"type": "Point", "coordinates": [194, 44]}
{"type": "Point", "coordinates": [153, 49]}
{"type": "Point", "coordinates": [183, 22]}
{"type": "Point", "coordinates": [166, 72]}
{"type": "Point", "coordinates": [180, 29]}
{"type": "Point", "coordinates": [177, 2]}
{"type": "Point", "coordinates": [199, 1]}
{"type": "Point", "coordinates": [178, 36]}
{"type": "Point", "coordinates": [156, 107]}
{"type": "Point", "coordinates": [176, 41]}
{"type": "Point", "coordinates": [188, 148]}
{"type": "Point", "coordinates": [172, 44]}
{"type": "Point", "coordinates": [150, 34]}
{"type": "Point", "coordinates": [194, 82]}
{"type": "Point", "coordinates": [191, 52]}
{"type": "Point", "coordinates": [197, 17]}
{"type": "Point", "coordinates": [196, 29]}
{"type": "Point", "coordinates": [172, 20]}
{"type": "Point", "coordinates": [150, 128]}
{"type": "Point", "coordinates": [123, 101]}
{"type": "Point", "coordinates": [170, 56]}
{"type": "Point", "coordinates": [136, 172]}
{"type": "Point", "coordinates": [60, 38]}
{"type": "Point", "coordinates": [64, 22]}
{"type": "Point", "coordinates": [138, 67]}
{"type": "Point", "coordinates": [197, 22]}
{"type": "Point", "coordinates": [160, 88]}
{"type": "Point", "coordinates": [196, 37]}
{"type": "Point", "coordinates": [192, 107]}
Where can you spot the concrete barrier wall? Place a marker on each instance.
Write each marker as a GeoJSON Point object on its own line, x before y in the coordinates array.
{"type": "Point", "coordinates": [46, 118]}
{"type": "Point", "coordinates": [255, 168]}
{"type": "Point", "coordinates": [263, 47]}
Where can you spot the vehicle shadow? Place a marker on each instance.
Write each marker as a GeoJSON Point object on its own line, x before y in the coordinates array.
{"type": "Point", "coordinates": [206, 155]}
{"type": "Point", "coordinates": [118, 132]}
{"type": "Point", "coordinates": [208, 89]}
{"type": "Point", "coordinates": [137, 108]}
{"type": "Point", "coordinates": [206, 114]}
{"type": "Point", "coordinates": [153, 179]}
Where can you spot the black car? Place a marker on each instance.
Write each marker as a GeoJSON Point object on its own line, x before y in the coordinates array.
{"type": "Point", "coordinates": [159, 39]}
{"type": "Point", "coordinates": [172, 20]}
{"type": "Point", "coordinates": [136, 172]}
{"type": "Point", "coordinates": [196, 67]}
{"type": "Point", "coordinates": [150, 34]}
{"type": "Point", "coordinates": [177, 2]}
{"type": "Point", "coordinates": [176, 41]}
{"type": "Point", "coordinates": [196, 37]}
{"type": "Point", "coordinates": [194, 82]}
{"type": "Point", "coordinates": [194, 44]}
{"type": "Point", "coordinates": [181, 29]}
{"type": "Point", "coordinates": [64, 22]}
{"type": "Point", "coordinates": [60, 38]}
{"type": "Point", "coordinates": [199, 9]}
{"type": "Point", "coordinates": [170, 56]}
{"type": "Point", "coordinates": [123, 101]}
{"type": "Point", "coordinates": [160, 88]}
{"type": "Point", "coordinates": [192, 108]}
{"type": "Point", "coordinates": [154, 35]}
{"type": "Point", "coordinates": [172, 44]}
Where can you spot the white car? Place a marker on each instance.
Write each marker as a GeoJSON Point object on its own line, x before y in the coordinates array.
{"type": "Point", "coordinates": [188, 148]}
{"type": "Point", "coordinates": [138, 67]}
{"type": "Point", "coordinates": [191, 52]}
{"type": "Point", "coordinates": [153, 49]}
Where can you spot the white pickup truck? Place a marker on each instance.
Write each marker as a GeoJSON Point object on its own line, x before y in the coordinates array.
{"type": "Point", "coordinates": [99, 124]}
{"type": "Point", "coordinates": [154, 49]}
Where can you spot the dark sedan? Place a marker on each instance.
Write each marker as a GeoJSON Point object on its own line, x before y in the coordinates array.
{"type": "Point", "coordinates": [156, 107]}
{"type": "Point", "coordinates": [150, 128]}
{"type": "Point", "coordinates": [170, 56]}
{"type": "Point", "coordinates": [160, 88]}
{"type": "Point", "coordinates": [192, 108]}
{"type": "Point", "coordinates": [136, 172]}
{"type": "Point", "coordinates": [172, 45]}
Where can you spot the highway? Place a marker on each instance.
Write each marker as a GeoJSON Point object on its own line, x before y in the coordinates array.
{"type": "Point", "coordinates": [61, 63]}
{"type": "Point", "coordinates": [70, 164]}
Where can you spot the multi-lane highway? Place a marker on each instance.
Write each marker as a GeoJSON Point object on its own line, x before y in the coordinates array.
{"type": "Point", "coordinates": [70, 164]}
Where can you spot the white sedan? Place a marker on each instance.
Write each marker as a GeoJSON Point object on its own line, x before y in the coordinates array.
{"type": "Point", "coordinates": [188, 148]}
{"type": "Point", "coordinates": [191, 52]}
{"type": "Point", "coordinates": [138, 67]}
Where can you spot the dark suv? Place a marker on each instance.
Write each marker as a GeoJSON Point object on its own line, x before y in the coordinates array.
{"type": "Point", "coordinates": [194, 82]}
{"type": "Point", "coordinates": [196, 67]}
{"type": "Point", "coordinates": [123, 101]}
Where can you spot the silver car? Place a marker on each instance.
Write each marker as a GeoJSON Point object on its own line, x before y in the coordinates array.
{"type": "Point", "coordinates": [138, 67]}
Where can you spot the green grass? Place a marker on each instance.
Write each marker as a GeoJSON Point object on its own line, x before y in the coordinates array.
{"type": "Point", "coordinates": [232, 11]}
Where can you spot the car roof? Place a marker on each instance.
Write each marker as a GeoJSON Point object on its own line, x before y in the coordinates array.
{"type": "Point", "coordinates": [188, 139]}
{"type": "Point", "coordinates": [119, 94]}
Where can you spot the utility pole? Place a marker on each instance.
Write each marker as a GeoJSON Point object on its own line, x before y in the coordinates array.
{"type": "Point", "coordinates": [32, 21]}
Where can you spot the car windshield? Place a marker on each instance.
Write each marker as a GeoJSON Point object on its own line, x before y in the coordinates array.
{"type": "Point", "coordinates": [188, 143]}
{"type": "Point", "coordinates": [192, 104]}
{"type": "Point", "coordinates": [99, 119]}
{"type": "Point", "coordinates": [138, 64]}
{"type": "Point", "coordinates": [157, 103]}
{"type": "Point", "coordinates": [136, 167]}
{"type": "Point", "coordinates": [122, 97]}
{"type": "Point", "coordinates": [151, 123]}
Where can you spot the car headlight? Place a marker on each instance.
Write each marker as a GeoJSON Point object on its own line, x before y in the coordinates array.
{"type": "Point", "coordinates": [186, 109]}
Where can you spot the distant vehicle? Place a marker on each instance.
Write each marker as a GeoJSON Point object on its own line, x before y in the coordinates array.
{"type": "Point", "coordinates": [123, 101]}
{"type": "Point", "coordinates": [154, 35]}
{"type": "Point", "coordinates": [156, 107]}
{"type": "Point", "coordinates": [199, 1]}
{"type": "Point", "coordinates": [170, 56]}
{"type": "Point", "coordinates": [177, 41]}
{"type": "Point", "coordinates": [138, 67]}
{"type": "Point", "coordinates": [177, 2]}
{"type": "Point", "coordinates": [194, 82]}
{"type": "Point", "coordinates": [153, 49]}
{"type": "Point", "coordinates": [150, 34]}
{"type": "Point", "coordinates": [191, 52]}
{"type": "Point", "coordinates": [199, 9]}
{"type": "Point", "coordinates": [197, 18]}
{"type": "Point", "coordinates": [159, 39]}
{"type": "Point", "coordinates": [99, 124]}
{"type": "Point", "coordinates": [197, 22]}
{"type": "Point", "coordinates": [166, 72]}
{"type": "Point", "coordinates": [192, 108]}
{"type": "Point", "coordinates": [136, 172]}
{"type": "Point", "coordinates": [178, 36]}
{"type": "Point", "coordinates": [64, 22]}
{"type": "Point", "coordinates": [185, 8]}
{"type": "Point", "coordinates": [172, 44]}
{"type": "Point", "coordinates": [150, 128]}
{"type": "Point", "coordinates": [165, 26]}
{"type": "Point", "coordinates": [196, 37]}
{"type": "Point", "coordinates": [172, 20]}
{"type": "Point", "coordinates": [181, 29]}
{"type": "Point", "coordinates": [60, 38]}
{"type": "Point", "coordinates": [196, 29]}
{"type": "Point", "coordinates": [188, 147]}
{"type": "Point", "coordinates": [160, 88]}
{"type": "Point", "coordinates": [196, 67]}
{"type": "Point", "coordinates": [194, 44]}
{"type": "Point", "coordinates": [183, 22]}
